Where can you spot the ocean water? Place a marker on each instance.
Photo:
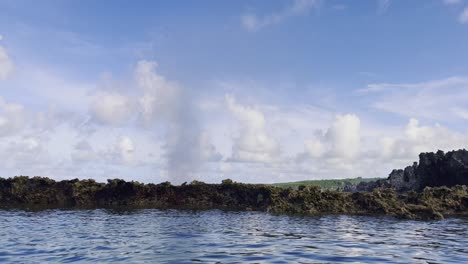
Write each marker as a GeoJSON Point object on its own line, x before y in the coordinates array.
{"type": "Point", "coordinates": [171, 236]}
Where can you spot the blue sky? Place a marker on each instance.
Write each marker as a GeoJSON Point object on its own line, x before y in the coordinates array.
{"type": "Point", "coordinates": [256, 91]}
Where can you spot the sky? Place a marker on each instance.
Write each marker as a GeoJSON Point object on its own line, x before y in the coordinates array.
{"type": "Point", "coordinates": [255, 91]}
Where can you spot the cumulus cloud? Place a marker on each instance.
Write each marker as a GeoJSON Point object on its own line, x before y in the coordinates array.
{"type": "Point", "coordinates": [6, 65]}
{"type": "Point", "coordinates": [463, 18]}
{"type": "Point", "coordinates": [345, 136]}
{"type": "Point", "coordinates": [417, 138]}
{"type": "Point", "coordinates": [339, 151]}
{"type": "Point", "coordinates": [253, 22]}
{"type": "Point", "coordinates": [253, 144]}
{"type": "Point", "coordinates": [342, 140]}
{"type": "Point", "coordinates": [111, 108]}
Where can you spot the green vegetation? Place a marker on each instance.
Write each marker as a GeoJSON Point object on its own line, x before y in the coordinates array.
{"type": "Point", "coordinates": [334, 184]}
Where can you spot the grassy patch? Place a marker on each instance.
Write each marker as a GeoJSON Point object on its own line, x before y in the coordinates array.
{"type": "Point", "coordinates": [325, 184]}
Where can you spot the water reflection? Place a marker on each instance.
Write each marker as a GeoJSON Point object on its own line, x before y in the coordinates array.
{"type": "Point", "coordinates": [171, 236]}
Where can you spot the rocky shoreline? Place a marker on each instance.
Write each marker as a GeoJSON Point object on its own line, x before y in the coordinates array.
{"type": "Point", "coordinates": [434, 170]}
{"type": "Point", "coordinates": [434, 189]}
{"type": "Point", "coordinates": [431, 203]}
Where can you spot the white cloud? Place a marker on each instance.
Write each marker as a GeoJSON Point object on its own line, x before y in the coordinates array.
{"type": "Point", "coordinates": [382, 6]}
{"type": "Point", "coordinates": [160, 97]}
{"type": "Point", "coordinates": [252, 22]}
{"type": "Point", "coordinates": [452, 2]}
{"type": "Point", "coordinates": [111, 148]}
{"type": "Point", "coordinates": [48, 120]}
{"type": "Point", "coordinates": [12, 118]}
{"type": "Point", "coordinates": [416, 138]}
{"type": "Point", "coordinates": [315, 148]}
{"type": "Point", "coordinates": [48, 87]}
{"type": "Point", "coordinates": [345, 136]}
{"type": "Point", "coordinates": [430, 138]}
{"type": "Point", "coordinates": [463, 18]}
{"type": "Point", "coordinates": [6, 65]}
{"type": "Point", "coordinates": [342, 140]}
{"type": "Point", "coordinates": [434, 100]}
{"type": "Point", "coordinates": [171, 142]}
{"type": "Point", "coordinates": [23, 152]}
{"type": "Point", "coordinates": [384, 150]}
{"type": "Point", "coordinates": [260, 147]}
{"type": "Point", "coordinates": [460, 112]}
{"type": "Point", "coordinates": [111, 108]}
{"type": "Point", "coordinates": [83, 152]}
{"type": "Point", "coordinates": [253, 144]}
{"type": "Point", "coordinates": [121, 152]}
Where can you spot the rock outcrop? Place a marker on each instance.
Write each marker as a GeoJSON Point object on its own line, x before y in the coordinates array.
{"type": "Point", "coordinates": [39, 192]}
{"type": "Point", "coordinates": [434, 169]}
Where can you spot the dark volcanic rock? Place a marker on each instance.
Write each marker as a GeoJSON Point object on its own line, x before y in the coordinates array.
{"type": "Point", "coordinates": [437, 169]}
{"type": "Point", "coordinates": [404, 180]}
{"type": "Point", "coordinates": [38, 192]}
{"type": "Point", "coordinates": [433, 170]}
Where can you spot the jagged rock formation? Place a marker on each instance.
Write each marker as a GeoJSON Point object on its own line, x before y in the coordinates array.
{"type": "Point", "coordinates": [434, 169]}
{"type": "Point", "coordinates": [38, 192]}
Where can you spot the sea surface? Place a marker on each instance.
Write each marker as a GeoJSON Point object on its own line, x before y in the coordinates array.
{"type": "Point", "coordinates": [171, 236]}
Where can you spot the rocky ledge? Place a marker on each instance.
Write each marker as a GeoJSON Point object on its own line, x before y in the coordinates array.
{"type": "Point", "coordinates": [434, 170]}
{"type": "Point", "coordinates": [430, 203]}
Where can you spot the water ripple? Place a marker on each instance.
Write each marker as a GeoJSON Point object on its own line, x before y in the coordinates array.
{"type": "Point", "coordinates": [170, 236]}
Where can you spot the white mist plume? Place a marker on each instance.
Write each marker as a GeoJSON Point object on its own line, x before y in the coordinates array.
{"type": "Point", "coordinates": [165, 102]}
